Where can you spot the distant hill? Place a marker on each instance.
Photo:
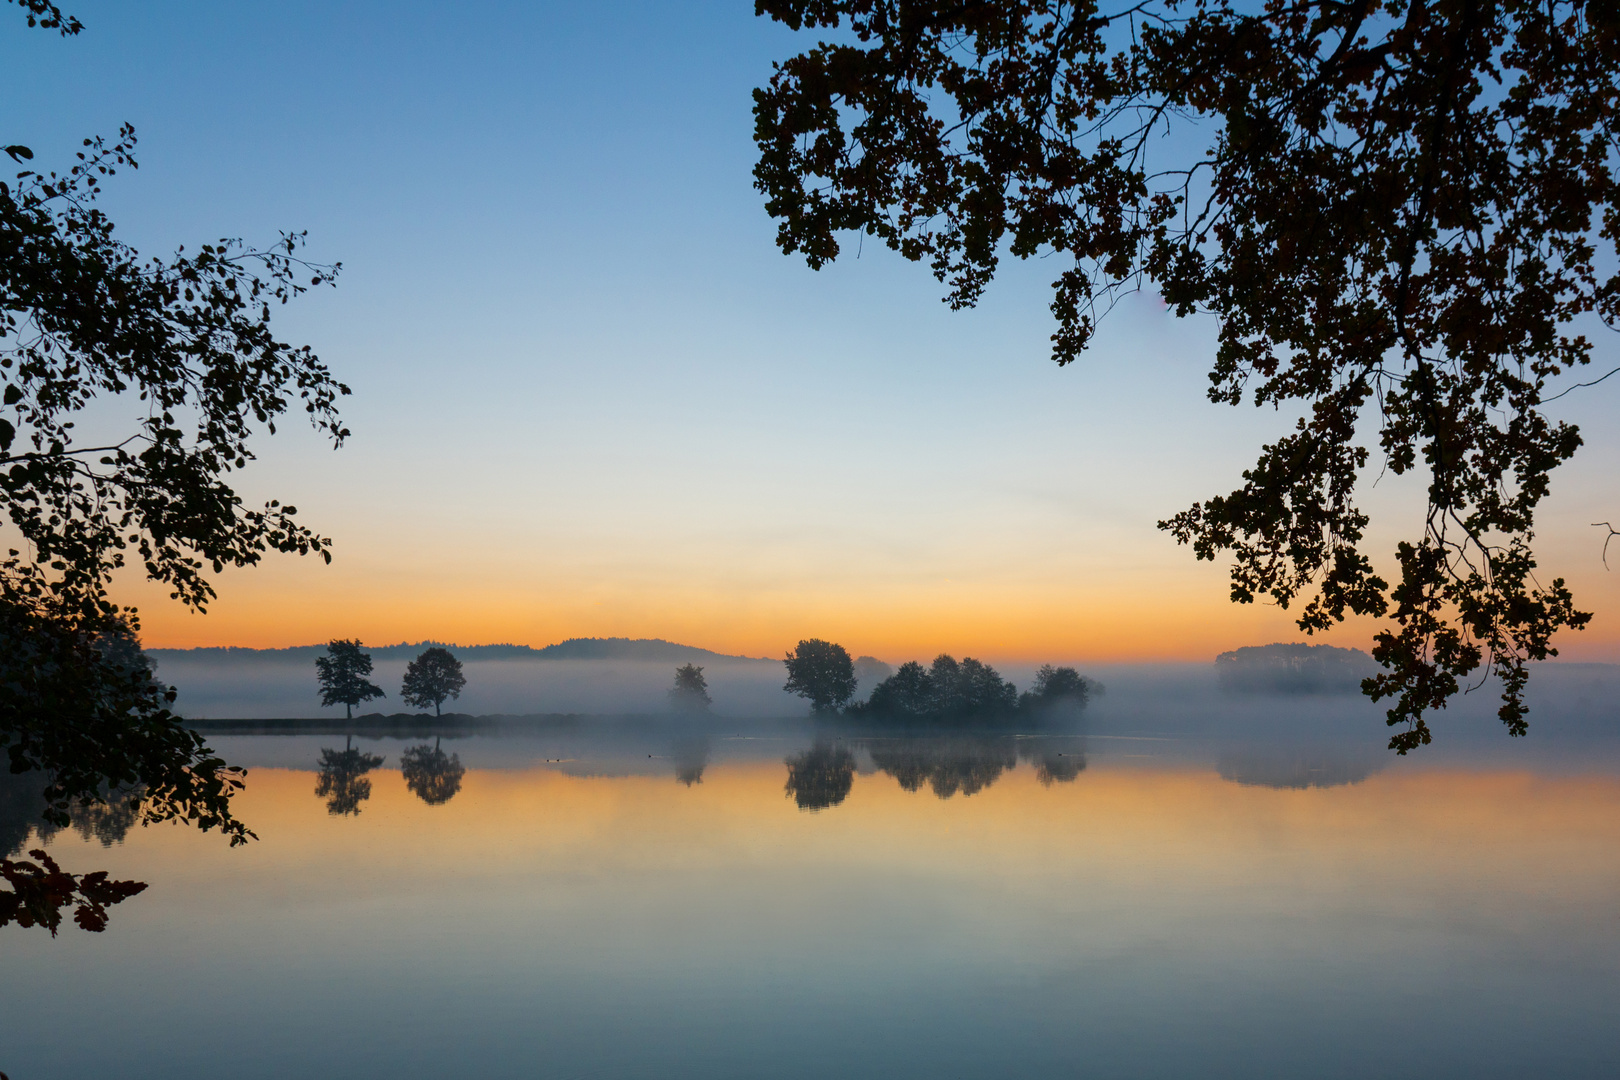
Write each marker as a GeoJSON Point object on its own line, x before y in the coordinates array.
{"type": "Point", "coordinates": [573, 649]}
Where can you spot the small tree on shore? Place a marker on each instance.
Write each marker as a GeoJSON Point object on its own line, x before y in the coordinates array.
{"type": "Point", "coordinates": [432, 677]}
{"type": "Point", "coordinates": [821, 672]}
{"type": "Point", "coordinates": [342, 676]}
{"type": "Point", "coordinates": [691, 690]}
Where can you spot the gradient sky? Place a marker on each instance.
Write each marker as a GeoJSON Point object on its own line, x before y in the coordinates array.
{"type": "Point", "coordinates": [592, 398]}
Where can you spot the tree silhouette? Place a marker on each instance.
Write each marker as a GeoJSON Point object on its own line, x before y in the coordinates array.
{"type": "Point", "coordinates": [186, 341]}
{"type": "Point", "coordinates": [341, 674]}
{"type": "Point", "coordinates": [948, 690]}
{"type": "Point", "coordinates": [1398, 214]}
{"type": "Point", "coordinates": [343, 782]}
{"type": "Point", "coordinates": [1057, 691]}
{"type": "Point", "coordinates": [821, 672]}
{"type": "Point", "coordinates": [821, 776]}
{"type": "Point", "coordinates": [433, 776]}
{"type": "Point", "coordinates": [430, 678]}
{"type": "Point", "coordinates": [691, 690]}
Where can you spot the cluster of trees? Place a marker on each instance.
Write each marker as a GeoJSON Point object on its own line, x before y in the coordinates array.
{"type": "Point", "coordinates": [948, 690]}
{"type": "Point", "coordinates": [432, 678]}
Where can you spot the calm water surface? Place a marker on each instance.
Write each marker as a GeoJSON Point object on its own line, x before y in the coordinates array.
{"type": "Point", "coordinates": [764, 903]}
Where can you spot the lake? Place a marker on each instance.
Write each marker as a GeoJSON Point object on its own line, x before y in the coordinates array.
{"type": "Point", "coordinates": [747, 899]}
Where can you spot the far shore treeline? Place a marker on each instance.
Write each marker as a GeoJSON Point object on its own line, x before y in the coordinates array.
{"type": "Point", "coordinates": [822, 672]}
{"type": "Point", "coordinates": [947, 691]}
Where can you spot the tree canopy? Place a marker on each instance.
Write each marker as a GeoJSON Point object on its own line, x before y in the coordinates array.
{"type": "Point", "coordinates": [691, 690]}
{"type": "Point", "coordinates": [341, 675]}
{"type": "Point", "coordinates": [431, 678]}
{"type": "Point", "coordinates": [184, 343]}
{"type": "Point", "coordinates": [821, 672]}
{"type": "Point", "coordinates": [1402, 214]}
{"type": "Point", "coordinates": [947, 690]}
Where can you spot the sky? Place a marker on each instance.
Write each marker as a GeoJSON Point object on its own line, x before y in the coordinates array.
{"type": "Point", "coordinates": [592, 398]}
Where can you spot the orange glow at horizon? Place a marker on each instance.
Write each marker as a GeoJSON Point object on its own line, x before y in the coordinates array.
{"type": "Point", "coordinates": [1187, 620]}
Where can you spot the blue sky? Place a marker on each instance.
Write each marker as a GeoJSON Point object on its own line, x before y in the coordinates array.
{"type": "Point", "coordinates": [591, 397]}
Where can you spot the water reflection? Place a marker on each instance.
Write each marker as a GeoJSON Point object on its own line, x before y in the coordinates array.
{"type": "Point", "coordinates": [947, 765]}
{"type": "Point", "coordinates": [343, 782]}
{"type": "Point", "coordinates": [1298, 767]}
{"type": "Point", "coordinates": [821, 776]}
{"type": "Point", "coordinates": [1056, 760]}
{"type": "Point", "coordinates": [431, 774]}
{"type": "Point", "coordinates": [22, 806]}
{"type": "Point", "coordinates": [691, 757]}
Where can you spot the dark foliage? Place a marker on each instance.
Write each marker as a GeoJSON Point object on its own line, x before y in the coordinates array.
{"type": "Point", "coordinates": [432, 775]}
{"type": "Point", "coordinates": [87, 719]}
{"type": "Point", "coordinates": [691, 690]}
{"type": "Point", "coordinates": [1400, 208]}
{"type": "Point", "coordinates": [341, 675]}
{"type": "Point", "coordinates": [1057, 690]}
{"type": "Point", "coordinates": [820, 777]}
{"type": "Point", "coordinates": [431, 678]}
{"type": "Point", "coordinates": [821, 672]}
{"type": "Point", "coordinates": [948, 691]}
{"type": "Point", "coordinates": [186, 342]}
{"type": "Point", "coordinates": [41, 891]}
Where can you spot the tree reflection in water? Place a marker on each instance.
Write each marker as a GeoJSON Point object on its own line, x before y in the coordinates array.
{"type": "Point", "coordinates": [22, 802]}
{"type": "Point", "coordinates": [343, 783]}
{"type": "Point", "coordinates": [691, 757]}
{"type": "Point", "coordinates": [432, 775]}
{"type": "Point", "coordinates": [1298, 767]}
{"type": "Point", "coordinates": [39, 892]}
{"type": "Point", "coordinates": [1056, 760]}
{"type": "Point", "coordinates": [948, 765]}
{"type": "Point", "coordinates": [821, 776]}
{"type": "Point", "coordinates": [967, 765]}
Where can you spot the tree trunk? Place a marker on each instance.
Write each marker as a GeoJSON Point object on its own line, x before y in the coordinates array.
{"type": "Point", "coordinates": [348, 710]}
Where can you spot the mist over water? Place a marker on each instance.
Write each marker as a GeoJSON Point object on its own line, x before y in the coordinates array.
{"type": "Point", "coordinates": [1177, 881]}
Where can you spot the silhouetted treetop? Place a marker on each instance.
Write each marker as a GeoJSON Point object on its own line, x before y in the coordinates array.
{"type": "Point", "coordinates": [431, 678]}
{"type": "Point", "coordinates": [1400, 214]}
{"type": "Point", "coordinates": [341, 675]}
{"type": "Point", "coordinates": [948, 690]}
{"type": "Point", "coordinates": [821, 672]}
{"type": "Point", "coordinates": [1056, 690]}
{"type": "Point", "coordinates": [691, 690]}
